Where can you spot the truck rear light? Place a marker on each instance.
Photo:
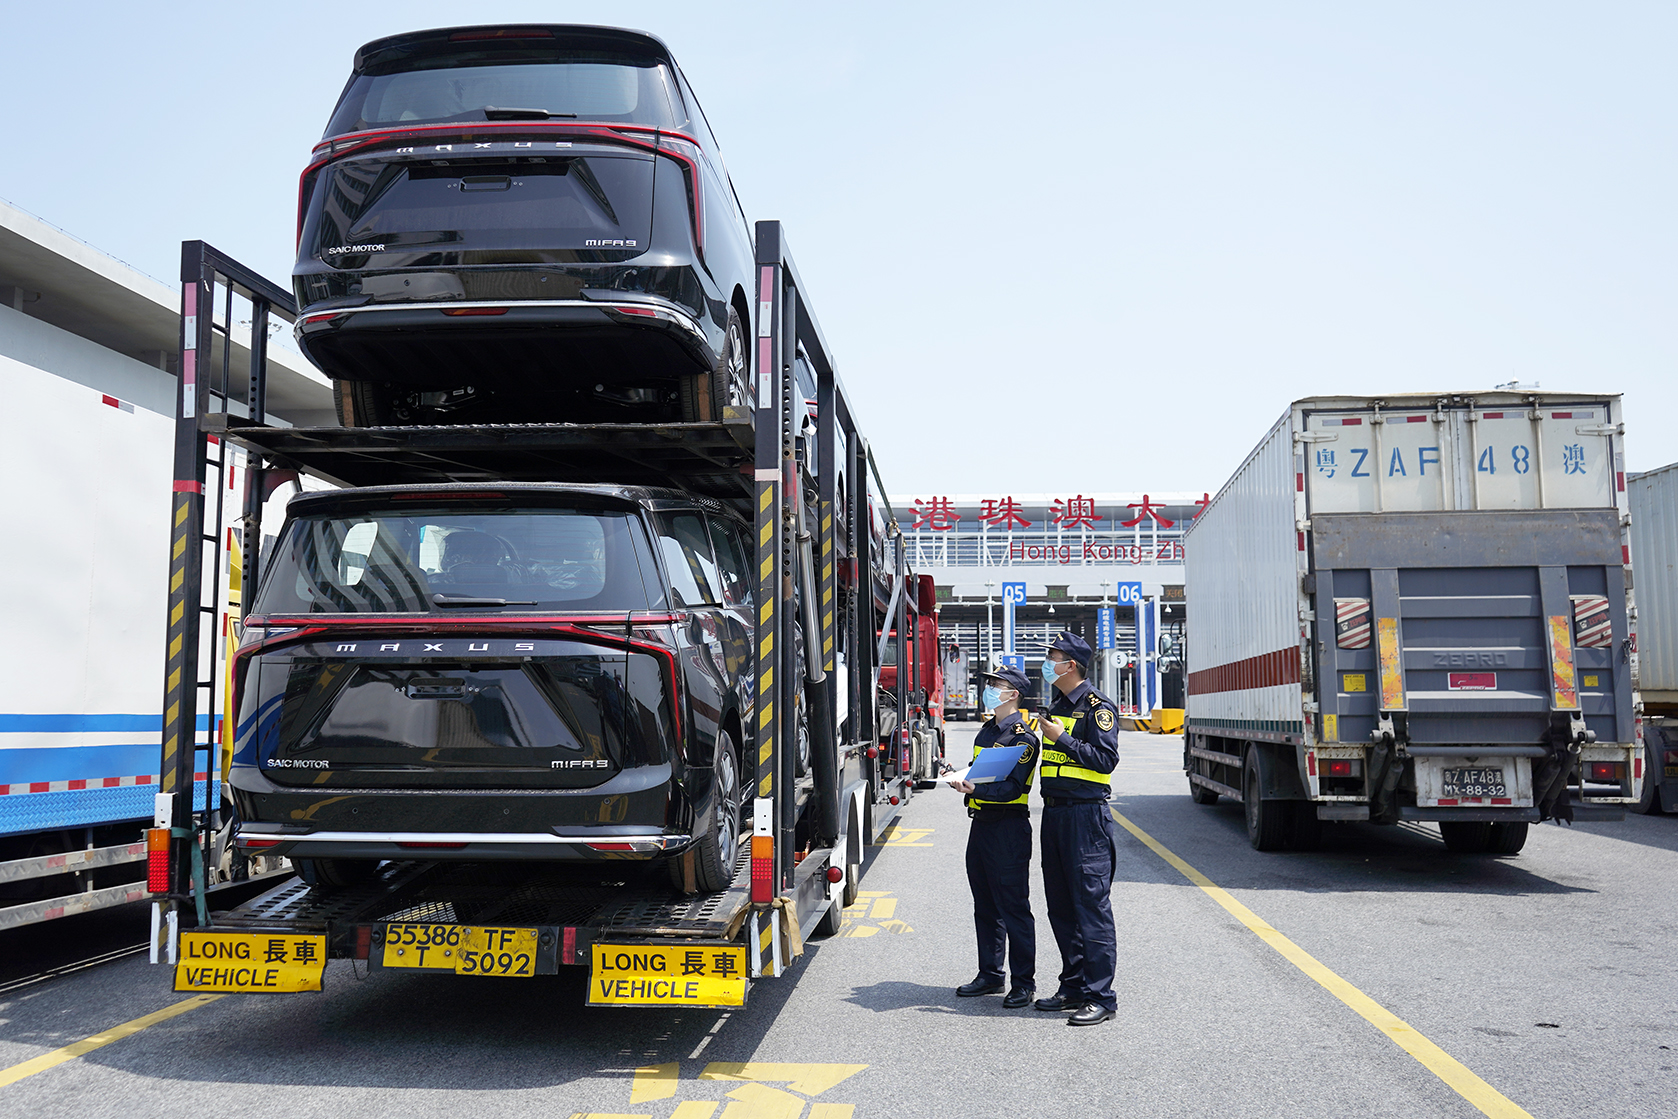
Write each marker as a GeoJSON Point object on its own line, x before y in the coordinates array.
{"type": "Point", "coordinates": [1611, 772]}
{"type": "Point", "coordinates": [157, 860]}
{"type": "Point", "coordinates": [763, 869]}
{"type": "Point", "coordinates": [1592, 626]}
{"type": "Point", "coordinates": [1341, 767]}
{"type": "Point", "coordinates": [1351, 623]}
{"type": "Point", "coordinates": [835, 875]}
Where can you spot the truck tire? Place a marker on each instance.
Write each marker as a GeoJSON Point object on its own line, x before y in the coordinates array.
{"type": "Point", "coordinates": [718, 848]}
{"type": "Point", "coordinates": [1200, 794]}
{"type": "Point", "coordinates": [1507, 839]}
{"type": "Point", "coordinates": [1305, 830]}
{"type": "Point", "coordinates": [705, 395]}
{"type": "Point", "coordinates": [1467, 838]}
{"type": "Point", "coordinates": [1267, 820]}
{"type": "Point", "coordinates": [1650, 802]}
{"type": "Point", "coordinates": [333, 873]}
{"type": "Point", "coordinates": [855, 837]}
{"type": "Point", "coordinates": [832, 918]}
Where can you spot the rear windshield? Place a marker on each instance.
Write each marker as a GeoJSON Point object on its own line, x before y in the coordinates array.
{"type": "Point", "coordinates": [444, 562]}
{"type": "Point", "coordinates": [463, 85]}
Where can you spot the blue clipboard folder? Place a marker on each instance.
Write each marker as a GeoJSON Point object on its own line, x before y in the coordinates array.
{"type": "Point", "coordinates": [994, 763]}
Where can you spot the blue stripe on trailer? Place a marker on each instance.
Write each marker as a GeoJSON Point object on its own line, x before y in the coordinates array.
{"type": "Point", "coordinates": [77, 763]}
{"type": "Point", "coordinates": [87, 724]}
{"type": "Point", "coordinates": [75, 808]}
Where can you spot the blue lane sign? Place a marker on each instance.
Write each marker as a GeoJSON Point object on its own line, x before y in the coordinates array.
{"type": "Point", "coordinates": [1013, 594]}
{"type": "Point", "coordinates": [1104, 628]}
{"type": "Point", "coordinates": [1013, 660]}
{"type": "Point", "coordinates": [1130, 594]}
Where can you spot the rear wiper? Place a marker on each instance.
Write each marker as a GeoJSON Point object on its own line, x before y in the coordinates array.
{"type": "Point", "coordinates": [468, 600]}
{"type": "Point", "coordinates": [492, 113]}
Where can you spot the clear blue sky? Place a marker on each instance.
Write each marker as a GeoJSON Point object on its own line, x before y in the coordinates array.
{"type": "Point", "coordinates": [1092, 247]}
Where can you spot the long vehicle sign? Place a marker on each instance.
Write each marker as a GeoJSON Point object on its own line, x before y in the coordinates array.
{"type": "Point", "coordinates": [656, 975]}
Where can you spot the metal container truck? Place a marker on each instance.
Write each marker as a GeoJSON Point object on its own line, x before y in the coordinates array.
{"type": "Point", "coordinates": [1654, 557]}
{"type": "Point", "coordinates": [1416, 607]}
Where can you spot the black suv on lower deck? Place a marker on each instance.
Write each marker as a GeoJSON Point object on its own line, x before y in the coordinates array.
{"type": "Point", "coordinates": [523, 223]}
{"type": "Point", "coordinates": [523, 671]}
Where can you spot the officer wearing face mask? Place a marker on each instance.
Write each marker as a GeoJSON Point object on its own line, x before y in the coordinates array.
{"type": "Point", "coordinates": [999, 848]}
{"type": "Point", "coordinates": [1080, 750]}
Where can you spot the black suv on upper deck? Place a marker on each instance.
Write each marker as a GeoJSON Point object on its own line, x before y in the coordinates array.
{"type": "Point", "coordinates": [528, 223]}
{"type": "Point", "coordinates": [529, 671]}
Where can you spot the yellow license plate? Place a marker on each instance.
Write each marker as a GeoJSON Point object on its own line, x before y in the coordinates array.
{"type": "Point", "coordinates": [643, 975]}
{"type": "Point", "coordinates": [463, 949]}
{"type": "Point", "coordinates": [255, 963]}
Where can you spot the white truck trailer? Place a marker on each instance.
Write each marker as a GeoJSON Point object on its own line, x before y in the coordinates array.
{"type": "Point", "coordinates": [1417, 607]}
{"type": "Point", "coordinates": [1654, 559]}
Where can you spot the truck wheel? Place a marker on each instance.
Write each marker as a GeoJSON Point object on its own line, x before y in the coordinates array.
{"type": "Point", "coordinates": [1305, 830]}
{"type": "Point", "coordinates": [362, 403]}
{"type": "Point", "coordinates": [333, 873]}
{"type": "Point", "coordinates": [1467, 838]}
{"type": "Point", "coordinates": [1200, 794]}
{"type": "Point", "coordinates": [853, 860]}
{"type": "Point", "coordinates": [714, 854]}
{"type": "Point", "coordinates": [833, 917]}
{"type": "Point", "coordinates": [705, 395]}
{"type": "Point", "coordinates": [1267, 820]}
{"type": "Point", "coordinates": [1650, 803]}
{"type": "Point", "coordinates": [1507, 839]}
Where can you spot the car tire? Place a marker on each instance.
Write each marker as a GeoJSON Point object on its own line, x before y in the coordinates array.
{"type": "Point", "coordinates": [1267, 820]}
{"type": "Point", "coordinates": [363, 403]}
{"type": "Point", "coordinates": [718, 848]}
{"type": "Point", "coordinates": [704, 396]}
{"type": "Point", "coordinates": [1507, 839]}
{"type": "Point", "coordinates": [334, 873]}
{"type": "Point", "coordinates": [1465, 837]}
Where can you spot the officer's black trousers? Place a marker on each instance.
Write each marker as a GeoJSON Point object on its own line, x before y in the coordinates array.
{"type": "Point", "coordinates": [1078, 863]}
{"type": "Point", "coordinates": [999, 871]}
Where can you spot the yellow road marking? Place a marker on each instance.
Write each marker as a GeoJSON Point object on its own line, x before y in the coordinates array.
{"type": "Point", "coordinates": [100, 1040]}
{"type": "Point", "coordinates": [654, 1082]}
{"type": "Point", "coordinates": [695, 1109]}
{"type": "Point", "coordinates": [1446, 1067]}
{"type": "Point", "coordinates": [810, 1080]}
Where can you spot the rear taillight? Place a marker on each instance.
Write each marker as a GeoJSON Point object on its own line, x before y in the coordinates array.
{"type": "Point", "coordinates": [1592, 627]}
{"type": "Point", "coordinates": [626, 310]}
{"type": "Point", "coordinates": [462, 312]}
{"type": "Point", "coordinates": [687, 153]}
{"type": "Point", "coordinates": [500, 33]}
{"type": "Point", "coordinates": [157, 860]}
{"type": "Point", "coordinates": [245, 841]}
{"type": "Point", "coordinates": [1341, 767]}
{"type": "Point", "coordinates": [763, 869]}
{"type": "Point", "coordinates": [1609, 772]}
{"type": "Point", "coordinates": [432, 846]}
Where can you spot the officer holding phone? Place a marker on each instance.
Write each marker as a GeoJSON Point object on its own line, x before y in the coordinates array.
{"type": "Point", "coordinates": [999, 847]}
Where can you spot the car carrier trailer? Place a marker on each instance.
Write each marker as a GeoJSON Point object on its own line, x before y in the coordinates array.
{"type": "Point", "coordinates": [1653, 500]}
{"type": "Point", "coordinates": [1418, 607]}
{"type": "Point", "coordinates": [645, 943]}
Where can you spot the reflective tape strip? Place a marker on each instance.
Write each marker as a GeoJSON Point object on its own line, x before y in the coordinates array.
{"type": "Point", "coordinates": [1079, 773]}
{"type": "Point", "coordinates": [1564, 687]}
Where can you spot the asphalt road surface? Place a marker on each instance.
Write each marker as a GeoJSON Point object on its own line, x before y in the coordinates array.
{"type": "Point", "coordinates": [1380, 976]}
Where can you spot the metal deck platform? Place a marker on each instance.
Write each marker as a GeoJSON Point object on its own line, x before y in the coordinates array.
{"type": "Point", "coordinates": [710, 458]}
{"type": "Point", "coordinates": [587, 902]}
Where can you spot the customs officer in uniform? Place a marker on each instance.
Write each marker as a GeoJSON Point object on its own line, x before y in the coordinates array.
{"type": "Point", "coordinates": [999, 847]}
{"type": "Point", "coordinates": [1080, 749]}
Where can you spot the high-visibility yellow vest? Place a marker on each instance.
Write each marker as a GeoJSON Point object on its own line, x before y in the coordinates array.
{"type": "Point", "coordinates": [1031, 725]}
{"type": "Point", "coordinates": [1057, 764]}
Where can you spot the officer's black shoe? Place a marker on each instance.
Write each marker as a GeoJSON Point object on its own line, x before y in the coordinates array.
{"type": "Point", "coordinates": [1091, 1014]}
{"type": "Point", "coordinates": [1057, 1002]}
{"type": "Point", "coordinates": [1018, 997]}
{"type": "Point", "coordinates": [979, 986]}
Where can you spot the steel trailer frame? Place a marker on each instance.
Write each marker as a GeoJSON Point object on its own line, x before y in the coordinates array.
{"type": "Point", "coordinates": [748, 456]}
